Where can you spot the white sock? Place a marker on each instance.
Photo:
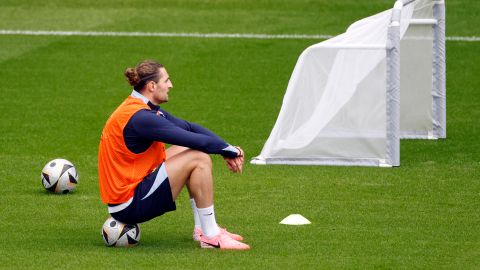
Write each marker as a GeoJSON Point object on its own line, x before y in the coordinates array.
{"type": "Point", "coordinates": [207, 219]}
{"type": "Point", "coordinates": [196, 218]}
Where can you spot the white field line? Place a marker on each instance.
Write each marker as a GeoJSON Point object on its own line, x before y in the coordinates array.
{"type": "Point", "coordinates": [158, 34]}
{"type": "Point", "coordinates": [193, 35]}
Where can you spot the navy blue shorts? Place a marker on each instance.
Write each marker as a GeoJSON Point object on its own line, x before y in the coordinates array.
{"type": "Point", "coordinates": [152, 198]}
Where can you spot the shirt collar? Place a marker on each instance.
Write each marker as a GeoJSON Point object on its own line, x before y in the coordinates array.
{"type": "Point", "coordinates": [136, 94]}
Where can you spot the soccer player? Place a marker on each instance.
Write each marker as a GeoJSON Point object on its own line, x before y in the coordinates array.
{"type": "Point", "coordinates": [140, 180]}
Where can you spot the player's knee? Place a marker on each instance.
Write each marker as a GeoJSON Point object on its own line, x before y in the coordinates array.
{"type": "Point", "coordinates": [203, 159]}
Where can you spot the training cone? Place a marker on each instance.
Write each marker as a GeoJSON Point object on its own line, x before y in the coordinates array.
{"type": "Point", "coordinates": [295, 219]}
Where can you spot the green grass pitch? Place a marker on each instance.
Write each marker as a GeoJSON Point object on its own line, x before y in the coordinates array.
{"type": "Point", "coordinates": [57, 93]}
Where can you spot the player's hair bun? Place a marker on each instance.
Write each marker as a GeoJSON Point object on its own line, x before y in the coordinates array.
{"type": "Point", "coordinates": [132, 76]}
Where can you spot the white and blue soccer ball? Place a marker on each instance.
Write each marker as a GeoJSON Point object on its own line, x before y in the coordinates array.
{"type": "Point", "coordinates": [119, 234]}
{"type": "Point", "coordinates": [59, 176]}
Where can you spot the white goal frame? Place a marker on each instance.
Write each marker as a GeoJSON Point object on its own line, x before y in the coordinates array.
{"type": "Point", "coordinates": [394, 75]}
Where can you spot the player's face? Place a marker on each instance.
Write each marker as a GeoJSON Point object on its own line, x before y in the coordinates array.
{"type": "Point", "coordinates": [162, 87]}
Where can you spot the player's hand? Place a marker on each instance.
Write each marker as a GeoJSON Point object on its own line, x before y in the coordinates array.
{"type": "Point", "coordinates": [235, 164]}
{"type": "Point", "coordinates": [239, 159]}
{"type": "Point", "coordinates": [232, 165]}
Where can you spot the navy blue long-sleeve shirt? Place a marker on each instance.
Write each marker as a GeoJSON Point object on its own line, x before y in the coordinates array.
{"type": "Point", "coordinates": [146, 126]}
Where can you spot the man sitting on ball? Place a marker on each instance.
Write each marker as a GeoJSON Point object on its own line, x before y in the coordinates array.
{"type": "Point", "coordinates": [140, 180]}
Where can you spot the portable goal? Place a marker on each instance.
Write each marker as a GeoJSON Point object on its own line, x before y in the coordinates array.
{"type": "Point", "coordinates": [350, 99]}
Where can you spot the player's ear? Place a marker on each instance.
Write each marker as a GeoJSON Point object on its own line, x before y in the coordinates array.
{"type": "Point", "coordinates": [151, 85]}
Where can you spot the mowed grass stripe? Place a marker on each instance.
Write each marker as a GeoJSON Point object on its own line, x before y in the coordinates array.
{"type": "Point", "coordinates": [189, 35]}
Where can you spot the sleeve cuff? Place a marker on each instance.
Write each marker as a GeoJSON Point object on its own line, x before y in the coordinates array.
{"type": "Point", "coordinates": [230, 151]}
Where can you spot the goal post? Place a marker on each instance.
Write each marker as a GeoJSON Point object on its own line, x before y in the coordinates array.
{"type": "Point", "coordinates": [439, 72]}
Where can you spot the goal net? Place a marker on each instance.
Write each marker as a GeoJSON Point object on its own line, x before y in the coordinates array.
{"type": "Point", "coordinates": [351, 98]}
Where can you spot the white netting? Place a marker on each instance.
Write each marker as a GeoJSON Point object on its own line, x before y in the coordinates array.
{"type": "Point", "coordinates": [334, 109]}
